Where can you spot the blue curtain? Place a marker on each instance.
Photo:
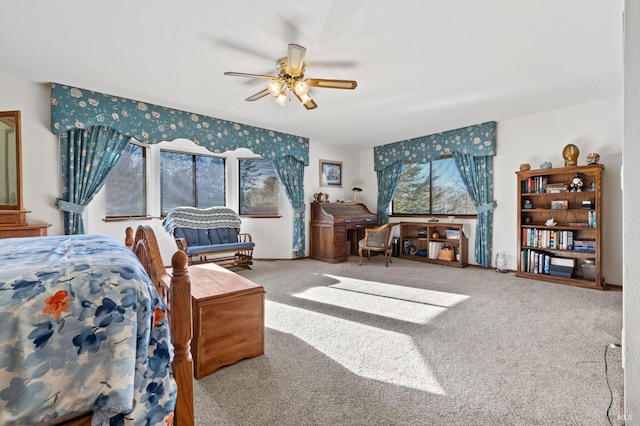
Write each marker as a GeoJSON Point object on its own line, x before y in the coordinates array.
{"type": "Point", "coordinates": [387, 185]}
{"type": "Point", "coordinates": [290, 171]}
{"type": "Point", "coordinates": [87, 157]}
{"type": "Point", "coordinates": [477, 173]}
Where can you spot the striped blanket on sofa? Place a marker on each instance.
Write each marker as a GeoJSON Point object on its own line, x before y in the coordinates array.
{"type": "Point", "coordinates": [191, 217]}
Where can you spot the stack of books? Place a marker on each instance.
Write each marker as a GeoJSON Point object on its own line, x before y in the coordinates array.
{"type": "Point", "coordinates": [561, 267]}
{"type": "Point", "coordinates": [584, 245]}
{"type": "Point", "coordinates": [556, 188]}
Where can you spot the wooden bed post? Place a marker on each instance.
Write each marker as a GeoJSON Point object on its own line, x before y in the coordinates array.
{"type": "Point", "coordinates": [181, 329]}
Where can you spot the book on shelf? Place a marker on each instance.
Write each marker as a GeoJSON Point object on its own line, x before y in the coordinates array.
{"type": "Point", "coordinates": [560, 271]}
{"type": "Point", "coordinates": [556, 188]}
{"type": "Point", "coordinates": [548, 238]}
{"type": "Point", "coordinates": [584, 245]}
{"type": "Point", "coordinates": [579, 224]}
{"type": "Point", "coordinates": [534, 185]}
{"type": "Point", "coordinates": [535, 262]}
{"type": "Point", "coordinates": [564, 261]}
{"type": "Point", "coordinates": [540, 262]}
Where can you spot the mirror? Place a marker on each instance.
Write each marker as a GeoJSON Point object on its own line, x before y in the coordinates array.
{"type": "Point", "coordinates": [10, 161]}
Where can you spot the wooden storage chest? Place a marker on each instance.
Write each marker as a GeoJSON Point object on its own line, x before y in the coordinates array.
{"type": "Point", "coordinates": [228, 318]}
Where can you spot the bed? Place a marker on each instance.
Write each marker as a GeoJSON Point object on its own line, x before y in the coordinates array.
{"type": "Point", "coordinates": [94, 332]}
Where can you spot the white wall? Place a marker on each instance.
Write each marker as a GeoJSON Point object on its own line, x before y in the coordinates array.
{"type": "Point", "coordinates": [40, 165]}
{"type": "Point", "coordinates": [631, 201]}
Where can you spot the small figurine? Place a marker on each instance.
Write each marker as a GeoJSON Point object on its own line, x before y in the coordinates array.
{"type": "Point", "coordinates": [546, 165]}
{"type": "Point", "coordinates": [593, 158]}
{"type": "Point", "coordinates": [550, 222]}
{"type": "Point", "coordinates": [576, 183]}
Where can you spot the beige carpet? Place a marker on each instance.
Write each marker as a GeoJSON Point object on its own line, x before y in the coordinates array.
{"type": "Point", "coordinates": [420, 344]}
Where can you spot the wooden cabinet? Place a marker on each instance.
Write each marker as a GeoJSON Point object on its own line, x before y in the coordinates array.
{"type": "Point", "coordinates": [336, 228]}
{"type": "Point", "coordinates": [423, 241]}
{"type": "Point", "coordinates": [13, 224]}
{"type": "Point", "coordinates": [560, 225]}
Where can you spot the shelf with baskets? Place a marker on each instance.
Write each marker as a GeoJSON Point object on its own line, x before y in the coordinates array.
{"type": "Point", "coordinates": [559, 214]}
{"type": "Point", "coordinates": [434, 242]}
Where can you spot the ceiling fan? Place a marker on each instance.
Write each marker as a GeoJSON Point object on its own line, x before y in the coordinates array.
{"type": "Point", "coordinates": [291, 79]}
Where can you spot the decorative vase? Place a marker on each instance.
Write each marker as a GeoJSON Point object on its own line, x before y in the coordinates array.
{"type": "Point", "coordinates": [570, 154]}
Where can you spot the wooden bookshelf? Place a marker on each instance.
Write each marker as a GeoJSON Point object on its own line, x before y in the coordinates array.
{"type": "Point", "coordinates": [557, 252]}
{"type": "Point", "coordinates": [421, 240]}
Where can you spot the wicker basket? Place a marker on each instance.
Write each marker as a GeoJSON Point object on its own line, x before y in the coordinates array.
{"type": "Point", "coordinates": [447, 253]}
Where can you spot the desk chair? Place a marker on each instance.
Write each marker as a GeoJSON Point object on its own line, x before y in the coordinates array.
{"type": "Point", "coordinates": [378, 239]}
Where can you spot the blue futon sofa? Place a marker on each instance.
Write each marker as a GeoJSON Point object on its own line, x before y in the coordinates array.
{"type": "Point", "coordinates": [210, 235]}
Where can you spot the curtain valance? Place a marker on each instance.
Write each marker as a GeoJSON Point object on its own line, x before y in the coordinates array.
{"type": "Point", "coordinates": [478, 140]}
{"type": "Point", "coordinates": [74, 108]}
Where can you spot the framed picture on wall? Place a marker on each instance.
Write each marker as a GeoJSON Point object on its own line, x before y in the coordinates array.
{"type": "Point", "coordinates": [331, 173]}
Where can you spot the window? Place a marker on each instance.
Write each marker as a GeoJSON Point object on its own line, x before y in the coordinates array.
{"type": "Point", "coordinates": [125, 188]}
{"type": "Point", "coordinates": [191, 180]}
{"type": "Point", "coordinates": [432, 188]}
{"type": "Point", "coordinates": [259, 188]}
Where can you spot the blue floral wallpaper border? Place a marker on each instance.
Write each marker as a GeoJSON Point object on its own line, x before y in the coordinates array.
{"type": "Point", "coordinates": [477, 140]}
{"type": "Point", "coordinates": [75, 108]}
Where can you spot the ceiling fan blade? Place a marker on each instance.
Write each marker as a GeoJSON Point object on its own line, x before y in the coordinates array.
{"type": "Point", "coordinates": [332, 84]}
{"type": "Point", "coordinates": [261, 94]}
{"type": "Point", "coordinates": [295, 59]}
{"type": "Point", "coordinates": [309, 104]}
{"type": "Point", "coordinates": [242, 74]}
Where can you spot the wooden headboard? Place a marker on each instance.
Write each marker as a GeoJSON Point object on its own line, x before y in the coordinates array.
{"type": "Point", "coordinates": [176, 293]}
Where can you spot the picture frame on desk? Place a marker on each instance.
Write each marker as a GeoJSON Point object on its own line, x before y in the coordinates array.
{"type": "Point", "coordinates": [331, 173]}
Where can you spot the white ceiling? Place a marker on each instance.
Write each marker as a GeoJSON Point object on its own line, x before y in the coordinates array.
{"type": "Point", "coordinates": [422, 66]}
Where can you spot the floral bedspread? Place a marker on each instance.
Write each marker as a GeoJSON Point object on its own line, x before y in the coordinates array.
{"type": "Point", "coordinates": [81, 328]}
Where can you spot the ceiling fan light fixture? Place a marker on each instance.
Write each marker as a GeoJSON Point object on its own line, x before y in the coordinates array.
{"type": "Point", "coordinates": [275, 87]}
{"type": "Point", "coordinates": [290, 80]}
{"type": "Point", "coordinates": [301, 88]}
{"type": "Point", "coordinates": [281, 99]}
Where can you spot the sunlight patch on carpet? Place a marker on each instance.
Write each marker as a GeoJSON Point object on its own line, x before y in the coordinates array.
{"type": "Point", "coordinates": [419, 295]}
{"type": "Point", "coordinates": [409, 304]}
{"type": "Point", "coordinates": [367, 351]}
{"type": "Point", "coordinates": [402, 310]}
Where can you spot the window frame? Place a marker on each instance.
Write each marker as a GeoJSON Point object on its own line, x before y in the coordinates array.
{"type": "Point", "coordinates": [240, 198]}
{"type": "Point", "coordinates": [145, 189]}
{"type": "Point", "coordinates": [193, 155]}
{"type": "Point", "coordinates": [437, 215]}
